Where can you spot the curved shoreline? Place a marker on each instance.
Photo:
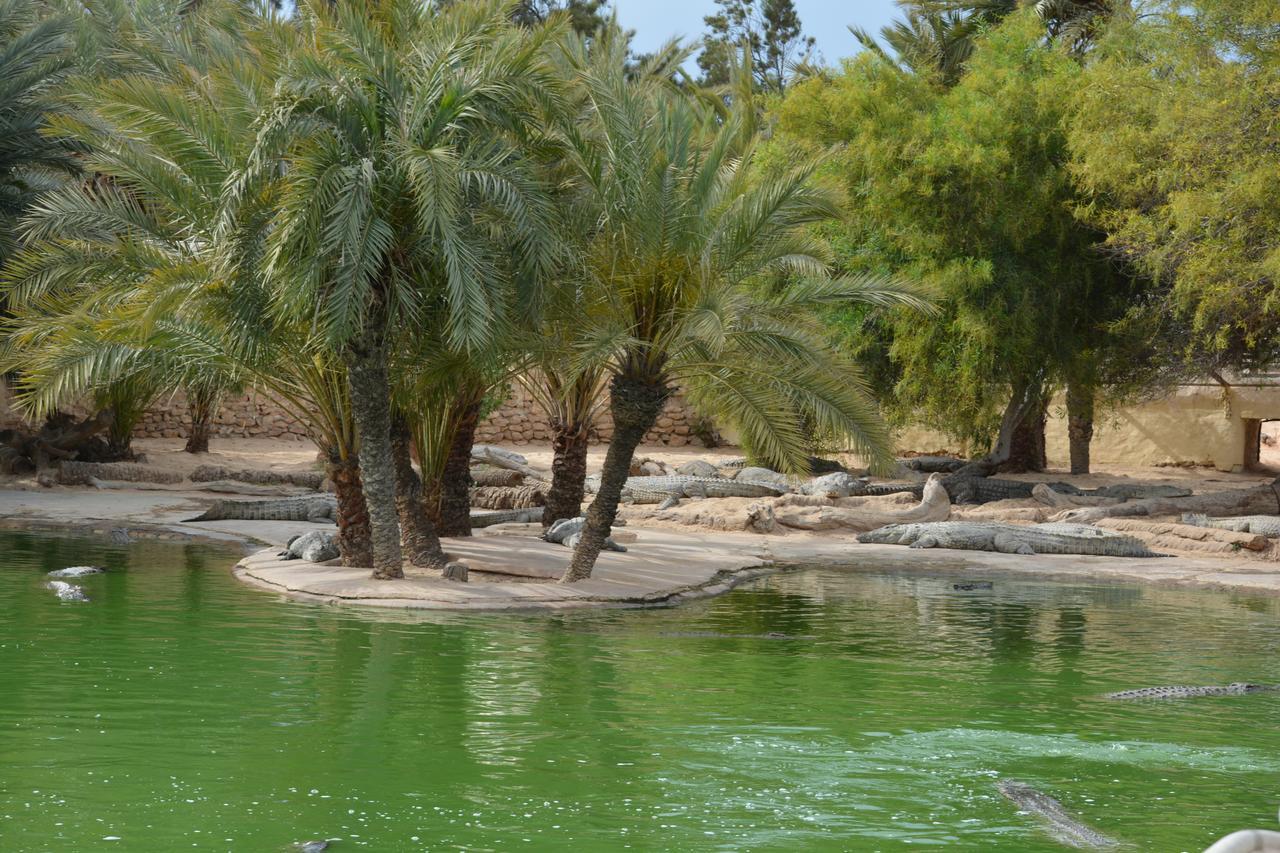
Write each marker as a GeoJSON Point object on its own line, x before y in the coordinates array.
{"type": "Point", "coordinates": [664, 567]}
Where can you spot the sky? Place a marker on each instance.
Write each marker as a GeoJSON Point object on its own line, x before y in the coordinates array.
{"type": "Point", "coordinates": [827, 20]}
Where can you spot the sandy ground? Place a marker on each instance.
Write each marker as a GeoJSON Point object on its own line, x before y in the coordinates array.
{"type": "Point", "coordinates": [699, 550]}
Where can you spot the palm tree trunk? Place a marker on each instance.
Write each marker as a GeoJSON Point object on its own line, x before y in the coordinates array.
{"type": "Point", "coordinates": [416, 528]}
{"type": "Point", "coordinates": [635, 405]}
{"type": "Point", "coordinates": [568, 471]}
{"type": "Point", "coordinates": [1079, 425]}
{"type": "Point", "coordinates": [455, 481]}
{"type": "Point", "coordinates": [201, 405]}
{"type": "Point", "coordinates": [371, 411]}
{"type": "Point", "coordinates": [355, 541]}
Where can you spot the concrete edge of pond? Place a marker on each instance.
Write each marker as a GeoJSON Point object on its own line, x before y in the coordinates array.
{"type": "Point", "coordinates": [664, 566]}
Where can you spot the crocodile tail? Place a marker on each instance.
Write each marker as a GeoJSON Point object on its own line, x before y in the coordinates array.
{"type": "Point", "coordinates": [1195, 518]}
{"type": "Point", "coordinates": [213, 513]}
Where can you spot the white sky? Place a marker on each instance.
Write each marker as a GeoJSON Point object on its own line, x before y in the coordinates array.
{"type": "Point", "coordinates": [656, 20]}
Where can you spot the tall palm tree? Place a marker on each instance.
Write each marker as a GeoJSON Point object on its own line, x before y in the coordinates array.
{"type": "Point", "coordinates": [689, 232]}
{"type": "Point", "coordinates": [35, 60]}
{"type": "Point", "coordinates": [399, 136]}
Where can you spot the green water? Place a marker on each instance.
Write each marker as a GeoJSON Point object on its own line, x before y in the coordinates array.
{"type": "Point", "coordinates": [179, 710]}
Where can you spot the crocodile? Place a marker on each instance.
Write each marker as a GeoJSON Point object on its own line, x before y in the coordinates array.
{"type": "Point", "coordinates": [1009, 538]}
{"type": "Point", "coordinates": [314, 547]}
{"type": "Point", "coordinates": [1259, 525]}
{"type": "Point", "coordinates": [967, 489]}
{"type": "Point", "coordinates": [1059, 823]}
{"type": "Point", "coordinates": [567, 532]}
{"type": "Point", "coordinates": [506, 516]}
{"type": "Point", "coordinates": [970, 489]}
{"type": "Point", "coordinates": [933, 464]}
{"type": "Point", "coordinates": [661, 490]}
{"type": "Point", "coordinates": [1180, 691]}
{"type": "Point", "coordinates": [67, 591]}
{"type": "Point", "coordinates": [314, 508]}
{"type": "Point", "coordinates": [76, 571]}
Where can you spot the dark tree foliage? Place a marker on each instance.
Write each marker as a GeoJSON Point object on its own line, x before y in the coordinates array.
{"type": "Point", "coordinates": [770, 30]}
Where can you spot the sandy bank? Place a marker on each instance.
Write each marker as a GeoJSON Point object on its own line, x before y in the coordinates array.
{"type": "Point", "coordinates": [665, 565]}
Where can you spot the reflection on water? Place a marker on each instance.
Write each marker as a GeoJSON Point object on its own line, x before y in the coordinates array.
{"type": "Point", "coordinates": [816, 710]}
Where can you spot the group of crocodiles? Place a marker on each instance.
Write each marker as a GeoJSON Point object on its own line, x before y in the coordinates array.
{"type": "Point", "coordinates": [1058, 822]}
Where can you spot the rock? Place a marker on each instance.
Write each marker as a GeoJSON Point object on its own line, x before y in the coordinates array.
{"type": "Point", "coordinates": [698, 468]}
{"type": "Point", "coordinates": [760, 518]}
{"type": "Point", "coordinates": [315, 547]}
{"type": "Point", "coordinates": [652, 468]}
{"type": "Point", "coordinates": [67, 591]}
{"type": "Point", "coordinates": [837, 485]}
{"type": "Point", "coordinates": [76, 571]}
{"type": "Point", "coordinates": [311, 846]}
{"type": "Point", "coordinates": [455, 572]}
{"type": "Point", "coordinates": [763, 475]}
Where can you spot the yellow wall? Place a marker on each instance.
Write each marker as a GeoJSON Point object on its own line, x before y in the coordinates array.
{"type": "Point", "coordinates": [1199, 423]}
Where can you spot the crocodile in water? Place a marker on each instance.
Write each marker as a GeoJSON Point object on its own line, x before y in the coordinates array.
{"type": "Point", "coordinates": [1058, 822]}
{"type": "Point", "coordinates": [1179, 691]}
{"type": "Point", "coordinates": [1009, 538]}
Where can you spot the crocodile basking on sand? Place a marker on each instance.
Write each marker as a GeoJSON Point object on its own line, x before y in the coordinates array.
{"type": "Point", "coordinates": [321, 508]}
{"type": "Point", "coordinates": [1180, 691]}
{"type": "Point", "coordinates": [489, 518]}
{"type": "Point", "coordinates": [970, 489]}
{"type": "Point", "coordinates": [314, 508]}
{"type": "Point", "coordinates": [1009, 538]}
{"type": "Point", "coordinates": [670, 489]}
{"type": "Point", "coordinates": [1058, 822]}
{"type": "Point", "coordinates": [1258, 525]}
{"type": "Point", "coordinates": [967, 489]}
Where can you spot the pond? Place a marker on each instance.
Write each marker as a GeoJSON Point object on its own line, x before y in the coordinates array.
{"type": "Point", "coordinates": [177, 709]}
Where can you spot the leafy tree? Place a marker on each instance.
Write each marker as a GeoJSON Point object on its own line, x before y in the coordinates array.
{"type": "Point", "coordinates": [938, 37]}
{"type": "Point", "coordinates": [1173, 141]}
{"type": "Point", "coordinates": [969, 189]}
{"type": "Point", "coordinates": [689, 234]}
{"type": "Point", "coordinates": [771, 33]}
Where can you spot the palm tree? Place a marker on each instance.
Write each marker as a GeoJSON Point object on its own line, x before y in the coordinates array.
{"type": "Point", "coordinates": [689, 233]}
{"type": "Point", "coordinates": [398, 132]}
{"type": "Point", "coordinates": [35, 60]}
{"type": "Point", "coordinates": [93, 291]}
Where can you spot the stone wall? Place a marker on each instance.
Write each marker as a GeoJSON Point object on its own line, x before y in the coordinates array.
{"type": "Point", "coordinates": [252, 415]}
{"type": "Point", "coordinates": [519, 421]}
